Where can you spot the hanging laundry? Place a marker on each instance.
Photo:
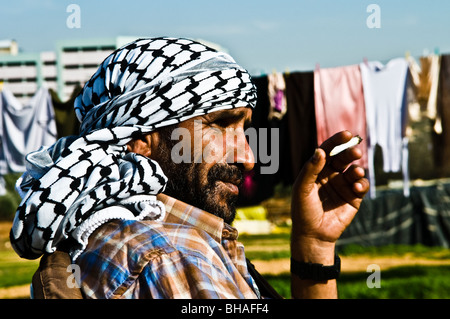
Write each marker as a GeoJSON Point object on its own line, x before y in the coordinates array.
{"type": "Point", "coordinates": [257, 186]}
{"type": "Point", "coordinates": [415, 107]}
{"type": "Point", "coordinates": [419, 126]}
{"type": "Point", "coordinates": [386, 112]}
{"type": "Point", "coordinates": [426, 78]}
{"type": "Point", "coordinates": [301, 118]}
{"type": "Point", "coordinates": [339, 104]}
{"type": "Point", "coordinates": [442, 140]}
{"type": "Point", "coordinates": [24, 128]}
{"type": "Point", "coordinates": [66, 120]}
{"type": "Point", "coordinates": [276, 89]}
{"type": "Point", "coordinates": [429, 80]}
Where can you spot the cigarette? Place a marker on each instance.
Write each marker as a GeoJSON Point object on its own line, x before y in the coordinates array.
{"type": "Point", "coordinates": [353, 142]}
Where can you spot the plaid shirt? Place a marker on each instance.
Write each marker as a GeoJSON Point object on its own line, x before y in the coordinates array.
{"type": "Point", "coordinates": [190, 254]}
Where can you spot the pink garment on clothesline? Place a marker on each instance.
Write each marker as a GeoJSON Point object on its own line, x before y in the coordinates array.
{"type": "Point", "coordinates": [339, 104]}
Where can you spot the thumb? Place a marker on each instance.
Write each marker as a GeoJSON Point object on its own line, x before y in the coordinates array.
{"type": "Point", "coordinates": [311, 170]}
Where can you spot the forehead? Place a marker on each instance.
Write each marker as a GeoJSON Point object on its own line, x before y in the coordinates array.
{"type": "Point", "coordinates": [237, 114]}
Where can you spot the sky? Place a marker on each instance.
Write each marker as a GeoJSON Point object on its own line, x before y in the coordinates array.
{"type": "Point", "coordinates": [263, 36]}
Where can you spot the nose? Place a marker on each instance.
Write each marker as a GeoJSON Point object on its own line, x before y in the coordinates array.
{"type": "Point", "coordinates": [238, 149]}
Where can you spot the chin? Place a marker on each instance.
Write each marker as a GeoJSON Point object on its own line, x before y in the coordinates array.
{"type": "Point", "coordinates": [224, 208]}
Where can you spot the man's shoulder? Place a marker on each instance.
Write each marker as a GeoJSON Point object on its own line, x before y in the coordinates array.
{"type": "Point", "coordinates": [137, 235]}
{"type": "Point", "coordinates": [116, 254]}
{"type": "Point", "coordinates": [141, 238]}
{"type": "Point", "coordinates": [119, 251]}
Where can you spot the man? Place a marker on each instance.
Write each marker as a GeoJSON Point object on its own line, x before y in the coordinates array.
{"type": "Point", "coordinates": [139, 222]}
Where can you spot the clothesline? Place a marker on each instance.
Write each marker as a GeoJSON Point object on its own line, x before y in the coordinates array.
{"type": "Point", "coordinates": [408, 56]}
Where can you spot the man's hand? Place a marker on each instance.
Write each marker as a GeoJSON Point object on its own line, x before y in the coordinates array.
{"type": "Point", "coordinates": [326, 196]}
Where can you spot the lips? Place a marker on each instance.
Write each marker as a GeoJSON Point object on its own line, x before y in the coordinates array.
{"type": "Point", "coordinates": [227, 177]}
{"type": "Point", "coordinates": [231, 186]}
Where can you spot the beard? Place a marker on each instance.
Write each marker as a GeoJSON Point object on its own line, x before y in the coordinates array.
{"type": "Point", "coordinates": [186, 182]}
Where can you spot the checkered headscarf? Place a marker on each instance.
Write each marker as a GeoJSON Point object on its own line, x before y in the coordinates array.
{"type": "Point", "coordinates": [81, 182]}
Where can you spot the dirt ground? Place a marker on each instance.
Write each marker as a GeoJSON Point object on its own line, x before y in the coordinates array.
{"type": "Point", "coordinates": [351, 264]}
{"type": "Point", "coordinates": [15, 292]}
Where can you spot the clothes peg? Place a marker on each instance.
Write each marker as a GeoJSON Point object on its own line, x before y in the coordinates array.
{"type": "Point", "coordinates": [366, 62]}
{"type": "Point", "coordinates": [287, 71]}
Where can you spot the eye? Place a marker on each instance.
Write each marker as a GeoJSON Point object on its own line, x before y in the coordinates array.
{"type": "Point", "coordinates": [223, 122]}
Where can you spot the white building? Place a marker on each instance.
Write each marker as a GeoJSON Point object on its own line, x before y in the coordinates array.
{"type": "Point", "coordinates": [71, 64]}
{"type": "Point", "coordinates": [9, 46]}
{"type": "Point", "coordinates": [24, 73]}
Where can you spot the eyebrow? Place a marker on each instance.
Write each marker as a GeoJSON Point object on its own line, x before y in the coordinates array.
{"type": "Point", "coordinates": [232, 115]}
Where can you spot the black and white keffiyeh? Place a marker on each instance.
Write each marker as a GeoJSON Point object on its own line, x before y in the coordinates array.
{"type": "Point", "coordinates": [81, 182]}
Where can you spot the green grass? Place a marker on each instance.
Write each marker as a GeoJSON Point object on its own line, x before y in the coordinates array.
{"type": "Point", "coordinates": [266, 247]}
{"type": "Point", "coordinates": [15, 271]}
{"type": "Point", "coordinates": [406, 282]}
{"type": "Point", "coordinates": [282, 237]}
{"type": "Point", "coordinates": [418, 250]}
{"type": "Point", "coordinates": [257, 248]}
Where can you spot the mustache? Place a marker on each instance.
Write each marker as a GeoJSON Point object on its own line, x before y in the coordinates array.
{"type": "Point", "coordinates": [225, 173]}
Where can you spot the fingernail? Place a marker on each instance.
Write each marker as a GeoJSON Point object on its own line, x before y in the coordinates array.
{"type": "Point", "coordinates": [316, 157]}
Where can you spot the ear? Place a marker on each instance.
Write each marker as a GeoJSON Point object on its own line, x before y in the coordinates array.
{"type": "Point", "coordinates": [144, 145]}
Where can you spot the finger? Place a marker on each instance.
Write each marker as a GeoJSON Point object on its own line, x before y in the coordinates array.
{"type": "Point", "coordinates": [336, 139]}
{"type": "Point", "coordinates": [361, 187]}
{"type": "Point", "coordinates": [341, 161]}
{"type": "Point", "coordinates": [355, 175]}
{"type": "Point", "coordinates": [311, 170]}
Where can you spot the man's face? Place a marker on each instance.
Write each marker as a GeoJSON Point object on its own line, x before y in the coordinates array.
{"type": "Point", "coordinates": [211, 172]}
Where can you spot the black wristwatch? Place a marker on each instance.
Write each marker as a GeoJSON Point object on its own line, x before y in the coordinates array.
{"type": "Point", "coordinates": [316, 272]}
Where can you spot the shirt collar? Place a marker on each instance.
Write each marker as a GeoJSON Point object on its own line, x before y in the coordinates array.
{"type": "Point", "coordinates": [182, 213]}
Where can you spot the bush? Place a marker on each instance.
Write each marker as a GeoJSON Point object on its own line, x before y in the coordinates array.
{"type": "Point", "coordinates": [8, 206]}
{"type": "Point", "coordinates": [9, 201]}
{"type": "Point", "coordinates": [251, 213]}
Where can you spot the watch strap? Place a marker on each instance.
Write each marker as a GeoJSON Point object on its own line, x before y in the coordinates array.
{"type": "Point", "coordinates": [316, 272]}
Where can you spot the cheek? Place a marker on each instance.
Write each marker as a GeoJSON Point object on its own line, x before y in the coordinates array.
{"type": "Point", "coordinates": [213, 148]}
